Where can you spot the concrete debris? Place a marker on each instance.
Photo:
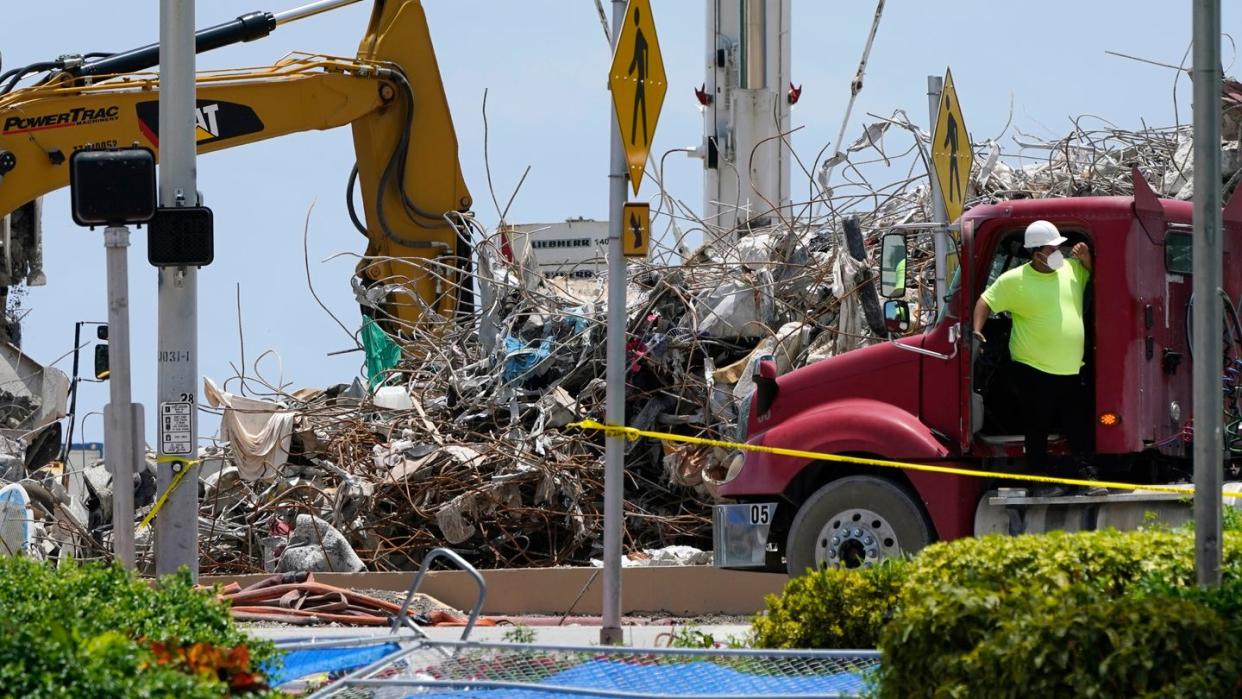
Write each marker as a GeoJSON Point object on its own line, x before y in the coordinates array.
{"type": "Point", "coordinates": [667, 556]}
{"type": "Point", "coordinates": [317, 546]}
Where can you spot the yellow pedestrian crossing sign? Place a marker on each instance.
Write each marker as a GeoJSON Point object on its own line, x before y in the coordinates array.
{"type": "Point", "coordinates": [636, 229]}
{"type": "Point", "coordinates": [951, 153]}
{"type": "Point", "coordinates": [638, 85]}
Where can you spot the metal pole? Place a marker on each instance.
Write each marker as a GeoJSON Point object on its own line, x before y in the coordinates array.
{"type": "Point", "coordinates": [122, 451]}
{"type": "Point", "coordinates": [176, 527]}
{"type": "Point", "coordinates": [1209, 444]}
{"type": "Point", "coordinates": [310, 10]}
{"type": "Point", "coordinates": [73, 392]}
{"type": "Point", "coordinates": [614, 414]}
{"type": "Point", "coordinates": [935, 84]}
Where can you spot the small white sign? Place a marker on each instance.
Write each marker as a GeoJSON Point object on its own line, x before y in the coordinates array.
{"type": "Point", "coordinates": [176, 428]}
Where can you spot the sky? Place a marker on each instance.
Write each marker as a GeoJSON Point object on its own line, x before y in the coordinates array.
{"type": "Point", "coordinates": [544, 64]}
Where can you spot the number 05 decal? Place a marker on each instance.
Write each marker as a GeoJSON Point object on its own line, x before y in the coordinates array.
{"type": "Point", "coordinates": [760, 514]}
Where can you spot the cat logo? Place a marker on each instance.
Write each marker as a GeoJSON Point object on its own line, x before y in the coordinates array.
{"type": "Point", "coordinates": [214, 120]}
{"type": "Point", "coordinates": [208, 127]}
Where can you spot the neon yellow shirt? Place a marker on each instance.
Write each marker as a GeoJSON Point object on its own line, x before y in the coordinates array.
{"type": "Point", "coordinates": [1047, 315]}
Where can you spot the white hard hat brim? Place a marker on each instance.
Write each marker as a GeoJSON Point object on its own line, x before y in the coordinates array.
{"type": "Point", "coordinates": [1058, 241]}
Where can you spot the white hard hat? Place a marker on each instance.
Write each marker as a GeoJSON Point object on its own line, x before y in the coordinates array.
{"type": "Point", "coordinates": [1041, 233]}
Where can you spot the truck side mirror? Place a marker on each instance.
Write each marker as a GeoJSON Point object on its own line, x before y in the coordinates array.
{"type": "Point", "coordinates": [764, 376]}
{"type": "Point", "coordinates": [893, 266]}
{"type": "Point", "coordinates": [897, 316]}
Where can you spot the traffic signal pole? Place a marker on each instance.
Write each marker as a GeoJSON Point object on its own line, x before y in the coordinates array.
{"type": "Point", "coordinates": [122, 417]}
{"type": "Point", "coordinates": [176, 527]}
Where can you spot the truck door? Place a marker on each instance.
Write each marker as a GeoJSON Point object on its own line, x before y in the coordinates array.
{"type": "Point", "coordinates": [994, 403]}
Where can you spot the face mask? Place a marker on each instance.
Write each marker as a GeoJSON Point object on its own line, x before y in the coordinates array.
{"type": "Point", "coordinates": [1055, 261]}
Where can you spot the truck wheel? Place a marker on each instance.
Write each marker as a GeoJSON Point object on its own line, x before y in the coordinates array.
{"type": "Point", "coordinates": [854, 522]}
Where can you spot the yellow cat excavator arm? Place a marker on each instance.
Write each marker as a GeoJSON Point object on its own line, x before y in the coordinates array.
{"type": "Point", "coordinates": [415, 200]}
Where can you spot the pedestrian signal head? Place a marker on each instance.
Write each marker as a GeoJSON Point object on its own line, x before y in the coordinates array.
{"type": "Point", "coordinates": [1041, 233]}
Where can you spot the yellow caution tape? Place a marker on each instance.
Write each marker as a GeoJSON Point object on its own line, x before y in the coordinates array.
{"type": "Point", "coordinates": [176, 481]}
{"type": "Point", "coordinates": [632, 433]}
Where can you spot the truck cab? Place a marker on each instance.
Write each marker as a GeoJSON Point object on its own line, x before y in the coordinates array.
{"type": "Point", "coordinates": [932, 395]}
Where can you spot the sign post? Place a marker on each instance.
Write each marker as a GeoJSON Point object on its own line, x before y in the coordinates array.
{"type": "Point", "coordinates": [952, 160]}
{"type": "Point", "coordinates": [638, 83]}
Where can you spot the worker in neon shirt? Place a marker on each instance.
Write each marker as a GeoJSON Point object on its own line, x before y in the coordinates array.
{"type": "Point", "coordinates": [1045, 299]}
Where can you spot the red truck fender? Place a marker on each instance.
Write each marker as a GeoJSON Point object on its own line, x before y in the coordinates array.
{"type": "Point", "coordinates": [847, 426]}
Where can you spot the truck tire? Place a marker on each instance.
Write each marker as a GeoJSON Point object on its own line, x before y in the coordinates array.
{"type": "Point", "coordinates": [854, 522]}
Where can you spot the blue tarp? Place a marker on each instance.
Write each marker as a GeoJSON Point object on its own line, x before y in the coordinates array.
{"type": "Point", "coordinates": [664, 679]}
{"type": "Point", "coordinates": [681, 679]}
{"type": "Point", "coordinates": [521, 357]}
{"type": "Point", "coordinates": [300, 663]}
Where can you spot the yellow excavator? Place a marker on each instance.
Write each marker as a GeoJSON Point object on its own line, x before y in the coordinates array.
{"type": "Point", "coordinates": [415, 202]}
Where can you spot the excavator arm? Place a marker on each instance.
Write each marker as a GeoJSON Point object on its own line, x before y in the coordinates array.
{"type": "Point", "coordinates": [415, 200]}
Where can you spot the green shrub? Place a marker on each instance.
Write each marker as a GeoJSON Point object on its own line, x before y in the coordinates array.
{"type": "Point", "coordinates": [96, 631]}
{"type": "Point", "coordinates": [1076, 641]}
{"type": "Point", "coordinates": [1083, 614]}
{"type": "Point", "coordinates": [831, 608]}
{"type": "Point", "coordinates": [1109, 561]}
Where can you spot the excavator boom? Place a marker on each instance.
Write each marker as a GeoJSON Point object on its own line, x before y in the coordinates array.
{"type": "Point", "coordinates": [414, 197]}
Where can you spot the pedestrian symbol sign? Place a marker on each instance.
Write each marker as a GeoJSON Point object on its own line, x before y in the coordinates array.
{"type": "Point", "coordinates": [951, 153]}
{"type": "Point", "coordinates": [636, 229]}
{"type": "Point", "coordinates": [638, 85]}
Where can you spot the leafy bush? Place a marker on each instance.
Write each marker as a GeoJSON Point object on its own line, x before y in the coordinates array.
{"type": "Point", "coordinates": [1077, 641]}
{"type": "Point", "coordinates": [1110, 561]}
{"type": "Point", "coordinates": [832, 608]}
{"type": "Point", "coordinates": [96, 631]}
{"type": "Point", "coordinates": [1084, 614]}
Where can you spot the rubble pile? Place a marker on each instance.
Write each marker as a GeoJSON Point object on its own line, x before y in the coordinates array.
{"type": "Point", "coordinates": [460, 434]}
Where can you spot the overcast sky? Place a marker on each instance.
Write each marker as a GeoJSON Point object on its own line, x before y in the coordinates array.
{"type": "Point", "coordinates": [545, 64]}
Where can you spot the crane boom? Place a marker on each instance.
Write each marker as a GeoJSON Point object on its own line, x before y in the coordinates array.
{"type": "Point", "coordinates": [414, 196]}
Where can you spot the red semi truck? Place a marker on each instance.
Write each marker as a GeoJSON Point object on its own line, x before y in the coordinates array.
{"type": "Point", "coordinates": [938, 397]}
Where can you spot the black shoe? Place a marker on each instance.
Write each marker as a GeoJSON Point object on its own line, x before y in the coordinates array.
{"type": "Point", "coordinates": [1050, 490]}
{"type": "Point", "coordinates": [1087, 472]}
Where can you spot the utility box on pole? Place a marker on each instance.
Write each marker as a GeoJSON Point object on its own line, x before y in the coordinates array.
{"type": "Point", "coordinates": [746, 99]}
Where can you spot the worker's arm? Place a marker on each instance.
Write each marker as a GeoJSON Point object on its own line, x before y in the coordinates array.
{"type": "Point", "coordinates": [1082, 253]}
{"type": "Point", "coordinates": [982, 311]}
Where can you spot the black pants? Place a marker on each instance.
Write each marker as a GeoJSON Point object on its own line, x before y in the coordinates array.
{"type": "Point", "coordinates": [1047, 403]}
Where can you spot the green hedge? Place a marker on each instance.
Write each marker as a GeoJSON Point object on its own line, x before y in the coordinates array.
{"type": "Point", "coordinates": [833, 608]}
{"type": "Point", "coordinates": [96, 631]}
{"type": "Point", "coordinates": [1086, 614]}
{"type": "Point", "coordinates": [1076, 641]}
